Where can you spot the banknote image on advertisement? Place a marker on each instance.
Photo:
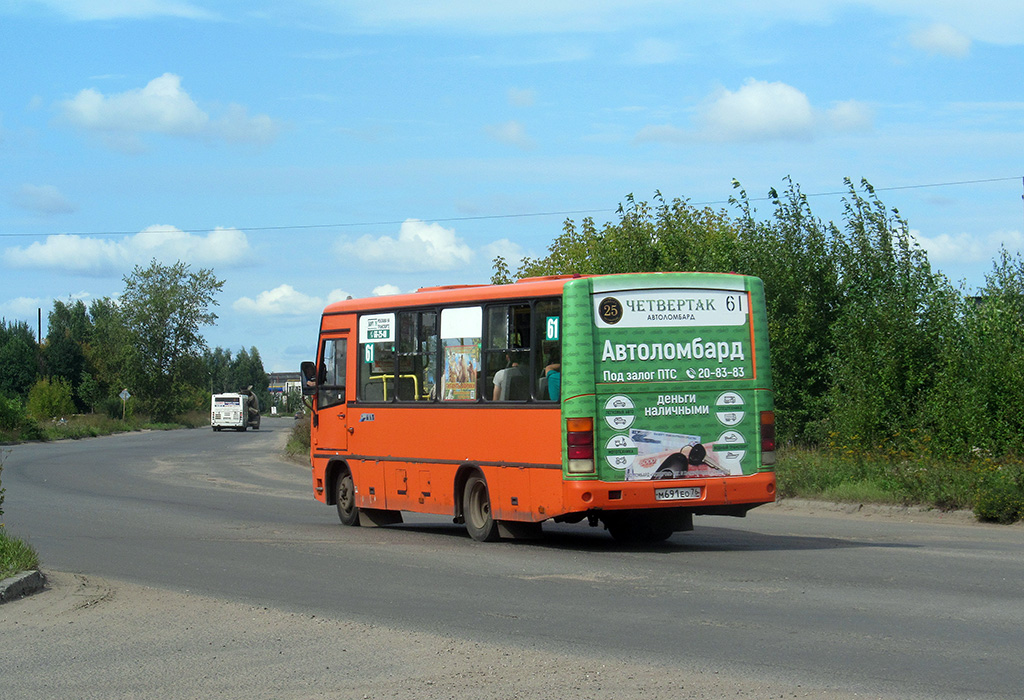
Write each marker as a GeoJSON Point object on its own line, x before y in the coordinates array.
{"type": "Point", "coordinates": [664, 455]}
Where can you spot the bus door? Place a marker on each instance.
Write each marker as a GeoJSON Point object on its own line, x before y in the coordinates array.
{"type": "Point", "coordinates": [331, 400]}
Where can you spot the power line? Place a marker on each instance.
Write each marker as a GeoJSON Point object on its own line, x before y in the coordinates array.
{"type": "Point", "coordinates": [300, 227]}
{"type": "Point", "coordinates": [486, 217]}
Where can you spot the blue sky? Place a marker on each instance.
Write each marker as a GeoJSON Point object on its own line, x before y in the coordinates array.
{"type": "Point", "coordinates": [308, 150]}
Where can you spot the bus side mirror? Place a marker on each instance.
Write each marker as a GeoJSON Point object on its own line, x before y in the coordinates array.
{"type": "Point", "coordinates": [308, 371]}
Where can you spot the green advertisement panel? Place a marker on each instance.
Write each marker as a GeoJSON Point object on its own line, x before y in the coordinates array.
{"type": "Point", "coordinates": [677, 375]}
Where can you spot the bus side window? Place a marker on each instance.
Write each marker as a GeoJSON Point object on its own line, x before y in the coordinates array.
{"type": "Point", "coordinates": [507, 353]}
{"type": "Point", "coordinates": [376, 371]}
{"type": "Point", "coordinates": [547, 345]}
{"type": "Point", "coordinates": [460, 339]}
{"type": "Point", "coordinates": [417, 355]}
{"type": "Point", "coordinates": [331, 390]}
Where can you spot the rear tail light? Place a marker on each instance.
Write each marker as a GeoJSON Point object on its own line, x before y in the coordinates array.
{"type": "Point", "coordinates": [579, 438]}
{"type": "Point", "coordinates": [768, 437]}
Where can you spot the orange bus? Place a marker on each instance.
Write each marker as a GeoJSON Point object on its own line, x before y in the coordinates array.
{"type": "Point", "coordinates": [634, 401]}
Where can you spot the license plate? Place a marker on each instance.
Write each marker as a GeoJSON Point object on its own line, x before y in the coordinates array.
{"type": "Point", "coordinates": [683, 493]}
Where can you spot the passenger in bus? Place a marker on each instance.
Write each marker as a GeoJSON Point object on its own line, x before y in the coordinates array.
{"type": "Point", "coordinates": [551, 380]}
{"type": "Point", "coordinates": [510, 384]}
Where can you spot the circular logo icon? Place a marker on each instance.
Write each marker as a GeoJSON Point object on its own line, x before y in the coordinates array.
{"type": "Point", "coordinates": [620, 452]}
{"type": "Point", "coordinates": [610, 310]}
{"type": "Point", "coordinates": [618, 412]}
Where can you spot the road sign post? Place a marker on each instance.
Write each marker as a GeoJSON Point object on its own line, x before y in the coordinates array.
{"type": "Point", "coordinates": [124, 401]}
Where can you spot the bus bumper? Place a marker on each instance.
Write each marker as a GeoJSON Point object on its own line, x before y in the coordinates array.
{"type": "Point", "coordinates": [733, 495]}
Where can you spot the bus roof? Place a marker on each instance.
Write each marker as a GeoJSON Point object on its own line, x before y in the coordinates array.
{"type": "Point", "coordinates": [525, 288]}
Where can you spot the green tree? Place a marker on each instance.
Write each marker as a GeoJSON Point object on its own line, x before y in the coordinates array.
{"type": "Point", "coordinates": [576, 251]}
{"type": "Point", "coordinates": [218, 367]}
{"type": "Point", "coordinates": [108, 348]}
{"type": "Point", "coordinates": [501, 275]}
{"type": "Point", "coordinates": [67, 337]}
{"type": "Point", "coordinates": [88, 392]}
{"type": "Point", "coordinates": [163, 308]}
{"type": "Point", "coordinates": [18, 358]}
{"type": "Point", "coordinates": [247, 370]}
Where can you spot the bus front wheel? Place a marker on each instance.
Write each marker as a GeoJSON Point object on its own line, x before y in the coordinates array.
{"type": "Point", "coordinates": [476, 508]}
{"type": "Point", "coordinates": [346, 499]}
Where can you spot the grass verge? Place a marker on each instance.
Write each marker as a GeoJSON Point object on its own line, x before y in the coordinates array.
{"type": "Point", "coordinates": [15, 555]}
{"type": "Point", "coordinates": [95, 425]}
{"type": "Point", "coordinates": [992, 488]}
{"type": "Point", "coordinates": [297, 448]}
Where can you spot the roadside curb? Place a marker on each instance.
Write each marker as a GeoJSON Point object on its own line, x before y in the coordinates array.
{"type": "Point", "coordinates": [20, 585]}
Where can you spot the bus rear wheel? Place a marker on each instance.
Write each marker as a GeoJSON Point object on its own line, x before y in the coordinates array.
{"type": "Point", "coordinates": [346, 499]}
{"type": "Point", "coordinates": [476, 509]}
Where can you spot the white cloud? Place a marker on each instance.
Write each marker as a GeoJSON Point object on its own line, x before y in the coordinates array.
{"type": "Point", "coordinates": [512, 133]}
{"type": "Point", "coordinates": [510, 250]}
{"type": "Point", "coordinates": [419, 246]}
{"type": "Point", "coordinates": [761, 111]}
{"type": "Point", "coordinates": [521, 97]}
{"type": "Point", "coordinates": [758, 111]}
{"type": "Point", "coordinates": [44, 199]}
{"type": "Point", "coordinates": [337, 295]}
{"type": "Point", "coordinates": [850, 115]}
{"type": "Point", "coordinates": [98, 256]}
{"type": "Point", "coordinates": [24, 307]}
{"type": "Point", "coordinates": [237, 126]}
{"type": "Point", "coordinates": [967, 248]}
{"type": "Point", "coordinates": [27, 308]}
{"type": "Point", "coordinates": [162, 107]}
{"type": "Point", "coordinates": [285, 300]}
{"type": "Point", "coordinates": [941, 39]}
{"type": "Point", "coordinates": [385, 290]}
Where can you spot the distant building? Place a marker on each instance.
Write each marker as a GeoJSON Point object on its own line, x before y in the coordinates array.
{"type": "Point", "coordinates": [282, 383]}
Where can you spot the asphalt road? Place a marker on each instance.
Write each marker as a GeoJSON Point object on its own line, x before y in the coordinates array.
{"type": "Point", "coordinates": [900, 607]}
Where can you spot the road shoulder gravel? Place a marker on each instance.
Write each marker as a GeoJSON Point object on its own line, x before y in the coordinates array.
{"type": "Point", "coordinates": [119, 640]}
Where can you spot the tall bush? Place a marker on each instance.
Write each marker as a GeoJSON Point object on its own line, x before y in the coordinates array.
{"type": "Point", "coordinates": [793, 253]}
{"type": "Point", "coordinates": [11, 414]}
{"type": "Point", "coordinates": [977, 404]}
{"type": "Point", "coordinates": [50, 398]}
{"type": "Point", "coordinates": [888, 332]}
